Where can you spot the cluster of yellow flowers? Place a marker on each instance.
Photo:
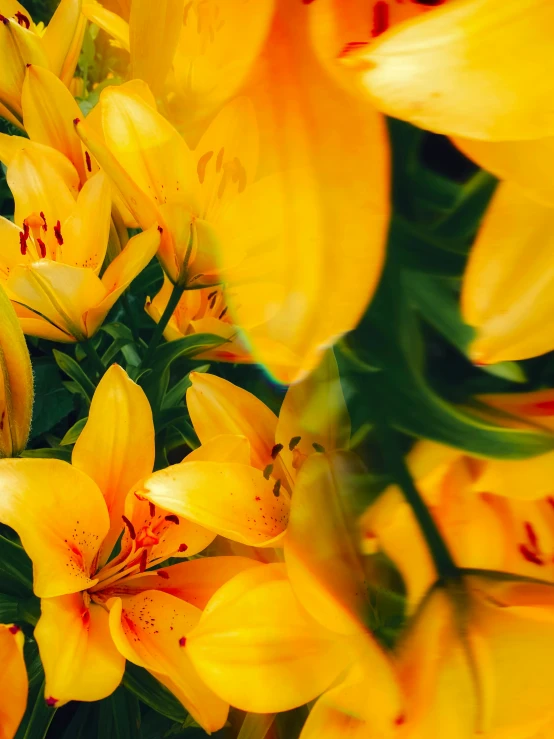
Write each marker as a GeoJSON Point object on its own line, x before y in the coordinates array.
{"type": "Point", "coordinates": [248, 151]}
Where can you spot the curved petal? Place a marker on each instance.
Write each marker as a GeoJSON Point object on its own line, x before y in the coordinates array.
{"type": "Point", "coordinates": [460, 70]}
{"type": "Point", "coordinates": [116, 446]}
{"type": "Point", "coordinates": [19, 46]}
{"type": "Point", "coordinates": [61, 517]}
{"type": "Point", "coordinates": [217, 407]}
{"type": "Point", "coordinates": [224, 448]}
{"type": "Point", "coordinates": [58, 38]}
{"type": "Point", "coordinates": [233, 500]}
{"type": "Point", "coordinates": [16, 382]}
{"type": "Point", "coordinates": [150, 629]}
{"type": "Point", "coordinates": [195, 581]}
{"type": "Point", "coordinates": [48, 113]}
{"type": "Point", "coordinates": [80, 660]}
{"type": "Point", "coordinates": [113, 24]}
{"type": "Point", "coordinates": [13, 680]}
{"type": "Point", "coordinates": [505, 295]}
{"type": "Point", "coordinates": [257, 648]}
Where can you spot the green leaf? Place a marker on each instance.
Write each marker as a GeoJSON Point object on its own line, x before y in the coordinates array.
{"type": "Point", "coordinates": [16, 570]}
{"type": "Point", "coordinates": [74, 432]}
{"type": "Point", "coordinates": [170, 416]}
{"type": "Point", "coordinates": [73, 370]}
{"type": "Point", "coordinates": [52, 401]}
{"type": "Point", "coordinates": [119, 716]}
{"type": "Point", "coordinates": [48, 453]}
{"type": "Point", "coordinates": [38, 716]}
{"type": "Point", "coordinates": [188, 346]}
{"type": "Point", "coordinates": [147, 689]}
{"type": "Point", "coordinates": [14, 609]}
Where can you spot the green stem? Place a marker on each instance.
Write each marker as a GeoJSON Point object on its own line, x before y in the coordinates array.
{"type": "Point", "coordinates": [172, 303]}
{"type": "Point", "coordinates": [94, 357]}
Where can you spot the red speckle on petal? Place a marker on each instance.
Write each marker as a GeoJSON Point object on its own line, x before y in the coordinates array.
{"type": "Point", "coordinates": [85, 616]}
{"type": "Point", "coordinates": [183, 547]}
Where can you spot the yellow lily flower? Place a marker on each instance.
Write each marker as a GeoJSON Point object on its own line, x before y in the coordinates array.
{"type": "Point", "coordinates": [249, 500]}
{"type": "Point", "coordinates": [13, 680]}
{"type": "Point", "coordinates": [22, 42]}
{"type": "Point", "coordinates": [96, 611]}
{"type": "Point", "coordinates": [510, 315]}
{"type": "Point", "coordinates": [275, 233]}
{"type": "Point", "coordinates": [16, 382]}
{"type": "Point", "coordinates": [50, 258]}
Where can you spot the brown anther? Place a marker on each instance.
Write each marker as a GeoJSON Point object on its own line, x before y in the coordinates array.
{"type": "Point", "coordinates": [143, 560]}
{"type": "Point", "coordinates": [152, 509]}
{"type": "Point", "coordinates": [23, 243]}
{"type": "Point", "coordinates": [130, 527]}
{"type": "Point", "coordinates": [277, 488]}
{"type": "Point", "coordinates": [320, 449]}
{"type": "Point", "coordinates": [183, 547]}
{"type": "Point", "coordinates": [22, 19]}
{"type": "Point", "coordinates": [87, 160]}
{"type": "Point", "coordinates": [182, 641]}
{"type": "Point", "coordinates": [223, 312]}
{"type": "Point", "coordinates": [4, 20]}
{"type": "Point", "coordinates": [276, 451]}
{"type": "Point", "coordinates": [76, 121]}
{"type": "Point", "coordinates": [44, 224]}
{"type": "Point", "coordinates": [58, 233]}
{"type": "Point", "coordinates": [172, 518]}
{"type": "Point", "coordinates": [42, 247]}
{"type": "Point", "coordinates": [294, 442]}
{"type": "Point", "coordinates": [211, 295]}
{"type": "Point", "coordinates": [14, 629]}
{"type": "Point", "coordinates": [212, 302]}
{"type": "Point", "coordinates": [51, 702]}
{"type": "Point", "coordinates": [163, 574]}
{"type": "Point", "coordinates": [268, 470]}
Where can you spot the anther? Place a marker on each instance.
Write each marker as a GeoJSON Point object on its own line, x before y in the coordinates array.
{"type": "Point", "coordinates": [42, 247]}
{"type": "Point", "coordinates": [529, 555]}
{"type": "Point", "coordinates": [76, 121]}
{"type": "Point", "coordinates": [22, 19]}
{"type": "Point", "coordinates": [172, 518]}
{"type": "Point", "coordinates": [23, 243]}
{"type": "Point", "coordinates": [276, 450]}
{"type": "Point", "coordinates": [223, 312]}
{"type": "Point", "coordinates": [130, 526]}
{"type": "Point", "coordinates": [294, 442]}
{"type": "Point", "coordinates": [201, 166]}
{"type": "Point", "coordinates": [4, 20]}
{"type": "Point", "coordinates": [277, 488]}
{"type": "Point", "coordinates": [219, 160]}
{"type": "Point", "coordinates": [2, 417]}
{"type": "Point", "coordinates": [152, 509]}
{"type": "Point", "coordinates": [160, 229]}
{"type": "Point", "coordinates": [318, 447]}
{"type": "Point", "coordinates": [531, 535]}
{"type": "Point", "coordinates": [89, 163]}
{"type": "Point", "coordinates": [58, 233]}
{"type": "Point", "coordinates": [268, 470]}
{"type": "Point", "coordinates": [44, 224]}
{"type": "Point", "coordinates": [380, 18]}
{"type": "Point", "coordinates": [163, 574]}
{"type": "Point", "coordinates": [211, 295]}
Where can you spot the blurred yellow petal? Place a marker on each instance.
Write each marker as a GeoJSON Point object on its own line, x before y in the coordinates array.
{"type": "Point", "coordinates": [233, 500]}
{"type": "Point", "coordinates": [137, 254]}
{"type": "Point", "coordinates": [315, 410]}
{"type": "Point", "coordinates": [194, 581]}
{"type": "Point", "coordinates": [258, 649]}
{"type": "Point", "coordinates": [217, 407]}
{"type": "Point", "coordinates": [61, 517]}
{"type": "Point", "coordinates": [460, 70]}
{"type": "Point", "coordinates": [16, 382]}
{"type": "Point", "coordinates": [110, 22]}
{"type": "Point", "coordinates": [116, 446]}
{"type": "Point", "coordinates": [531, 479]}
{"type": "Point", "coordinates": [77, 652]}
{"type": "Point", "coordinates": [506, 296]}
{"type": "Point", "coordinates": [150, 629]}
{"type": "Point", "coordinates": [58, 38]}
{"type": "Point", "coordinates": [323, 565]}
{"type": "Point", "coordinates": [13, 680]}
{"type": "Point", "coordinates": [48, 112]}
{"type": "Point", "coordinates": [153, 34]}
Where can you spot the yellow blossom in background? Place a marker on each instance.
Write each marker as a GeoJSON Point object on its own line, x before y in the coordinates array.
{"type": "Point", "coordinates": [13, 680]}
{"type": "Point", "coordinates": [55, 47]}
{"type": "Point", "coordinates": [16, 382]}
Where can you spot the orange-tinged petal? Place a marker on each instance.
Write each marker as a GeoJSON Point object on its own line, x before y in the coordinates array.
{"type": "Point", "coordinates": [224, 448]}
{"type": "Point", "coordinates": [13, 680]}
{"type": "Point", "coordinates": [529, 480]}
{"type": "Point", "coordinates": [460, 70]}
{"type": "Point", "coordinates": [80, 660]}
{"type": "Point", "coordinates": [506, 296]}
{"type": "Point", "coordinates": [231, 499]}
{"type": "Point", "coordinates": [116, 446]}
{"type": "Point", "coordinates": [61, 517]}
{"type": "Point", "coordinates": [234, 349]}
{"type": "Point", "coordinates": [323, 201]}
{"type": "Point", "coordinates": [315, 410]}
{"type": "Point", "coordinates": [150, 629]}
{"type": "Point", "coordinates": [48, 112]}
{"type": "Point", "coordinates": [259, 649]}
{"type": "Point", "coordinates": [217, 407]}
{"type": "Point", "coordinates": [153, 35]}
{"type": "Point", "coordinates": [137, 254]}
{"type": "Point", "coordinates": [110, 22]}
{"type": "Point", "coordinates": [16, 382]}
{"type": "Point", "coordinates": [195, 581]}
{"type": "Point", "coordinates": [323, 565]}
{"type": "Point", "coordinates": [57, 292]}
{"type": "Point", "coordinates": [57, 42]}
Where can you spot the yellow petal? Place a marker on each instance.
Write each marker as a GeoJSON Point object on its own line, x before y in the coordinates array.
{"type": "Point", "coordinates": [459, 70]}
{"type": "Point", "coordinates": [153, 34]}
{"type": "Point", "coordinates": [217, 407]}
{"type": "Point", "coordinates": [16, 382]}
{"type": "Point", "coordinates": [13, 680]}
{"type": "Point", "coordinates": [58, 292]}
{"type": "Point", "coordinates": [506, 296]}
{"type": "Point", "coordinates": [528, 480]}
{"type": "Point", "coordinates": [322, 202]}
{"type": "Point", "coordinates": [315, 410]}
{"type": "Point", "coordinates": [257, 648]}
{"type": "Point", "coordinates": [194, 581]}
{"type": "Point", "coordinates": [233, 350]}
{"type": "Point", "coordinates": [224, 448]}
{"type": "Point", "coordinates": [150, 629]}
{"type": "Point", "coordinates": [80, 660]}
{"type": "Point", "coordinates": [33, 325]}
{"type": "Point", "coordinates": [233, 500]}
{"type": "Point", "coordinates": [136, 255]}
{"type": "Point", "coordinates": [61, 517]}
{"type": "Point", "coordinates": [116, 446]}
{"type": "Point", "coordinates": [11, 145]}
{"type": "Point", "coordinates": [18, 47]}
{"type": "Point", "coordinates": [58, 38]}
{"type": "Point", "coordinates": [110, 22]}
{"type": "Point", "coordinates": [322, 562]}
{"type": "Point", "coordinates": [48, 112]}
